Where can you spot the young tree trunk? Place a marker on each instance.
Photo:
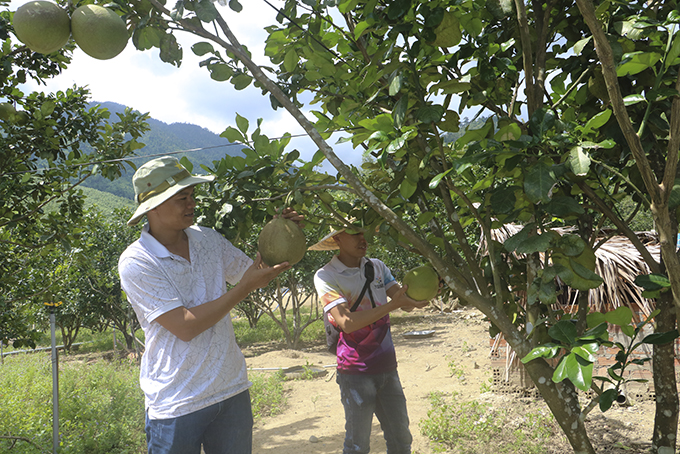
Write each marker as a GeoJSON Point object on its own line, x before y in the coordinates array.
{"type": "Point", "coordinates": [564, 405]}
{"type": "Point", "coordinates": [665, 387]}
{"type": "Point", "coordinates": [561, 398]}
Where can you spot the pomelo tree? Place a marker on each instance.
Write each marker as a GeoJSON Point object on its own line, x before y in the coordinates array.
{"type": "Point", "coordinates": [583, 99]}
{"type": "Point", "coordinates": [41, 167]}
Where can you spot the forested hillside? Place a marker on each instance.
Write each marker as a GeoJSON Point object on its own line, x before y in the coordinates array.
{"type": "Point", "coordinates": [201, 145]}
{"type": "Point", "coordinates": [105, 202]}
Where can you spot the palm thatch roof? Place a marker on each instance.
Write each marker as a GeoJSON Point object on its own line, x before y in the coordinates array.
{"type": "Point", "coordinates": [618, 263]}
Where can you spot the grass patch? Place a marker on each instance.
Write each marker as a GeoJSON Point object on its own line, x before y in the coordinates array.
{"type": "Point", "coordinates": [471, 427]}
{"type": "Point", "coordinates": [269, 331]}
{"type": "Point", "coordinates": [266, 395]}
{"type": "Point", "coordinates": [101, 406]}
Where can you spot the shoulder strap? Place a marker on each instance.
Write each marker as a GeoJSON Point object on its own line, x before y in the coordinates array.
{"type": "Point", "coordinates": [369, 273]}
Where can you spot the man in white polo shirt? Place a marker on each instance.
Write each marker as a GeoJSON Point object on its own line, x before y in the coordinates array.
{"type": "Point", "coordinates": [193, 374]}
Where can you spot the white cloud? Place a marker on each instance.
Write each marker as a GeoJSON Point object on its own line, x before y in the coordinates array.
{"type": "Point", "coordinates": [187, 94]}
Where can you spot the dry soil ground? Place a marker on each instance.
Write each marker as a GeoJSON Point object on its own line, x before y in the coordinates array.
{"type": "Point", "coordinates": [455, 359]}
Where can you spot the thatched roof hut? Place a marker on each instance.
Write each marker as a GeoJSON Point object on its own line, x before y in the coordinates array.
{"type": "Point", "coordinates": [618, 263]}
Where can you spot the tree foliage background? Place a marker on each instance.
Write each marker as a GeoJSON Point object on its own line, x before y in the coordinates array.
{"type": "Point", "coordinates": [583, 102]}
{"type": "Point", "coordinates": [582, 111]}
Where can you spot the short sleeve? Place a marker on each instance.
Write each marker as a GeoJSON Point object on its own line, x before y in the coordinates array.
{"type": "Point", "coordinates": [146, 285]}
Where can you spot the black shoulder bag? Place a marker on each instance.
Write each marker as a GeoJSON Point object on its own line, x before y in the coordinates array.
{"type": "Point", "coordinates": [332, 331]}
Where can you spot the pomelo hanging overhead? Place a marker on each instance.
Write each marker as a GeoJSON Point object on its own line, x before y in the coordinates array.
{"type": "Point", "coordinates": [98, 31]}
{"type": "Point", "coordinates": [43, 26]}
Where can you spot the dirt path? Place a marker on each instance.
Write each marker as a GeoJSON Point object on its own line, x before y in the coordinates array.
{"type": "Point", "coordinates": [455, 359]}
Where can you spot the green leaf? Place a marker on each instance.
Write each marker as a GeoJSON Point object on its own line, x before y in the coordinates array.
{"type": "Point", "coordinates": [235, 6]}
{"type": "Point", "coordinates": [514, 241]}
{"type": "Point", "coordinates": [587, 351]}
{"type": "Point", "coordinates": [430, 114]}
{"type": "Point", "coordinates": [398, 8]}
{"type": "Point", "coordinates": [584, 272]}
{"type": "Point", "coordinates": [290, 60]}
{"type": "Point", "coordinates": [598, 121]}
{"type": "Point", "coordinates": [395, 82]}
{"type": "Point", "coordinates": [674, 200]}
{"type": "Point", "coordinates": [538, 183]}
{"type": "Point", "coordinates": [607, 398]}
{"type": "Point", "coordinates": [563, 207]}
{"type": "Point", "coordinates": [636, 62]}
{"type": "Point", "coordinates": [347, 6]}
{"type": "Point", "coordinates": [542, 121]}
{"type": "Point", "coordinates": [202, 48]}
{"type": "Point", "coordinates": [577, 370]}
{"type": "Point", "coordinates": [578, 47]}
{"type": "Point", "coordinates": [147, 37]}
{"type": "Point", "coordinates": [206, 11]}
{"type": "Point", "coordinates": [620, 316]}
{"type": "Point", "coordinates": [535, 243]}
{"type": "Point", "coordinates": [633, 99]}
{"type": "Point", "coordinates": [426, 217]}
{"type": "Point", "coordinates": [508, 132]}
{"type": "Point", "coordinates": [399, 112]}
{"type": "Point", "coordinates": [599, 330]}
{"type": "Point", "coordinates": [242, 123]}
{"type": "Point", "coordinates": [628, 331]}
{"type": "Point", "coordinates": [548, 350]}
{"type": "Point", "coordinates": [171, 52]}
{"type": "Point", "coordinates": [233, 135]}
{"type": "Point", "coordinates": [437, 179]}
{"type": "Point", "coordinates": [563, 331]}
{"type": "Point", "coordinates": [47, 107]}
{"type": "Point", "coordinates": [241, 81]}
{"type": "Point", "coordinates": [595, 319]}
{"type": "Point", "coordinates": [220, 72]}
{"type": "Point", "coordinates": [503, 200]}
{"type": "Point", "coordinates": [571, 245]}
{"type": "Point", "coordinates": [674, 52]}
{"type": "Point", "coordinates": [652, 282]}
{"type": "Point", "coordinates": [407, 189]}
{"type": "Point", "coordinates": [661, 338]}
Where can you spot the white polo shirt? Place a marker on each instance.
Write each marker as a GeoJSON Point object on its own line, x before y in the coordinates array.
{"type": "Point", "coordinates": [180, 377]}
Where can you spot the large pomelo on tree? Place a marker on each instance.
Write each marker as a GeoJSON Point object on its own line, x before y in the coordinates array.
{"type": "Point", "coordinates": [281, 240]}
{"type": "Point", "coordinates": [422, 282]}
{"type": "Point", "coordinates": [98, 31]}
{"type": "Point", "coordinates": [43, 26]}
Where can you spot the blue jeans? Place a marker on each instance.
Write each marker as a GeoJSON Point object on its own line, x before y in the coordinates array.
{"type": "Point", "coordinates": [222, 428]}
{"type": "Point", "coordinates": [379, 394]}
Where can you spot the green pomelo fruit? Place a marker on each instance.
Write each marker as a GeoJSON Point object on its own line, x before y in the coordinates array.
{"type": "Point", "coordinates": [43, 26]}
{"type": "Point", "coordinates": [281, 240]}
{"type": "Point", "coordinates": [98, 31]}
{"type": "Point", "coordinates": [7, 111]}
{"type": "Point", "coordinates": [422, 282]}
{"type": "Point", "coordinates": [448, 31]}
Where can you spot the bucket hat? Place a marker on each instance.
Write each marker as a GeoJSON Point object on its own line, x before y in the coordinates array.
{"type": "Point", "coordinates": [158, 180]}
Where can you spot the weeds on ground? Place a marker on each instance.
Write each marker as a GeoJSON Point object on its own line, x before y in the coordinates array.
{"type": "Point", "coordinates": [471, 427]}
{"type": "Point", "coordinates": [268, 331]}
{"type": "Point", "coordinates": [266, 395]}
{"type": "Point", "coordinates": [101, 406]}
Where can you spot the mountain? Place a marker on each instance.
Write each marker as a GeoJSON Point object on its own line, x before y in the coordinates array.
{"type": "Point", "coordinates": [200, 145]}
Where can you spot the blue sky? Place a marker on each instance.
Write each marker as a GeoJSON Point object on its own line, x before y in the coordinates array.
{"type": "Point", "coordinates": [187, 94]}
